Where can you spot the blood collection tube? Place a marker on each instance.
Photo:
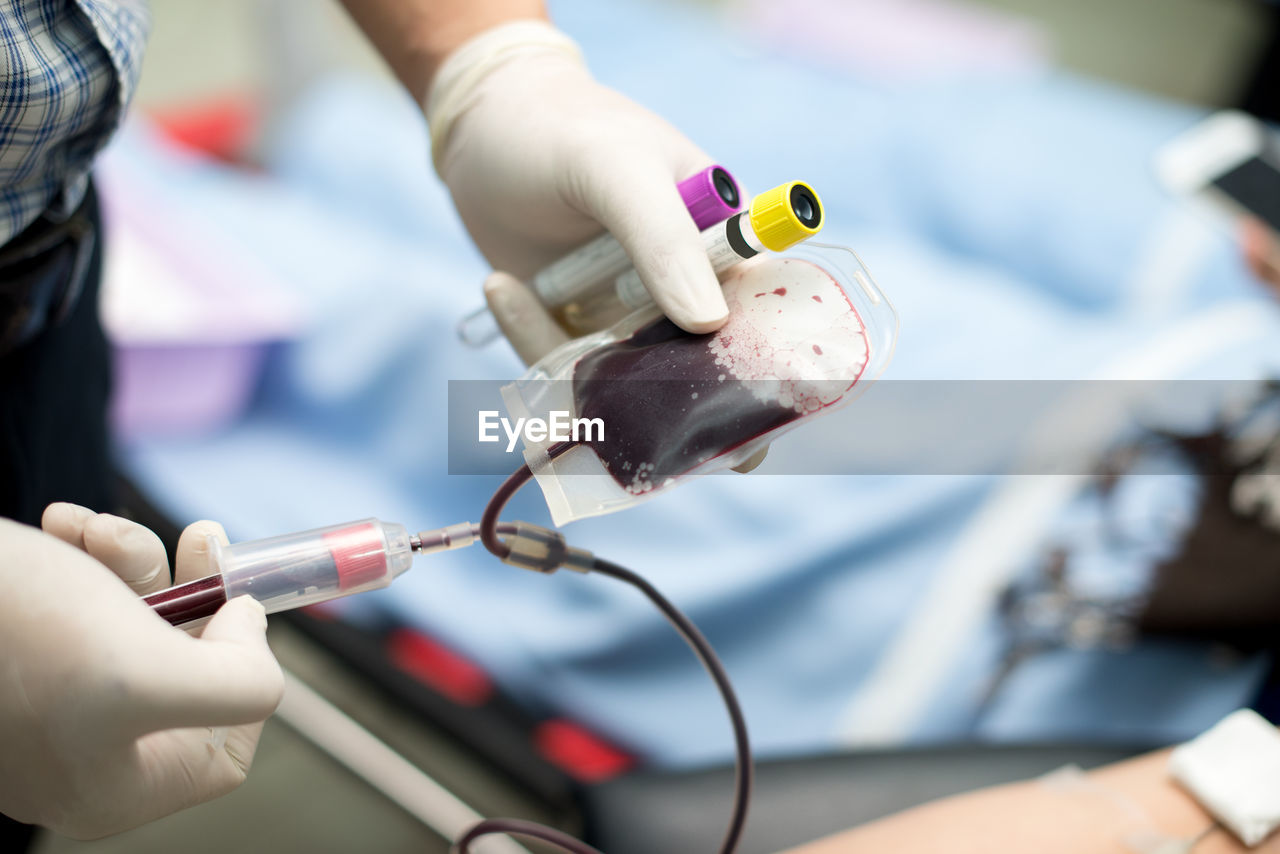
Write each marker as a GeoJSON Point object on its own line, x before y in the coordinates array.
{"type": "Point", "coordinates": [776, 220]}
{"type": "Point", "coordinates": [710, 196]}
{"type": "Point", "coordinates": [293, 570]}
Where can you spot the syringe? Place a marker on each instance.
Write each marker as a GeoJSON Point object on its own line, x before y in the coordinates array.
{"type": "Point", "coordinates": [711, 196]}
{"type": "Point", "coordinates": [293, 570]}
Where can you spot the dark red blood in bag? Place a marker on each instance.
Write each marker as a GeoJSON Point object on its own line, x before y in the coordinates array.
{"type": "Point", "coordinates": [670, 401]}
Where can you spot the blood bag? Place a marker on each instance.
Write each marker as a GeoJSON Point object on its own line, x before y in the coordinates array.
{"type": "Point", "coordinates": [645, 405]}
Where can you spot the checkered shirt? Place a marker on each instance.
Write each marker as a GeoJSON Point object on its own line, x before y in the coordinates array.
{"type": "Point", "coordinates": [67, 72]}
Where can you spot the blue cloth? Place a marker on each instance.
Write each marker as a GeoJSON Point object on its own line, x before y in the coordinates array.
{"type": "Point", "coordinates": [1015, 226]}
{"type": "Point", "coordinates": [69, 72]}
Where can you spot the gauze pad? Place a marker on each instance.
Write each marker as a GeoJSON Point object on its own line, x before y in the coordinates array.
{"type": "Point", "coordinates": [1233, 770]}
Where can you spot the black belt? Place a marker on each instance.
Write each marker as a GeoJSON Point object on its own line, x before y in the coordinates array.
{"type": "Point", "coordinates": [42, 273]}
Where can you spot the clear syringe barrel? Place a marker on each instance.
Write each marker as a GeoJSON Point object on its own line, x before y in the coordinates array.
{"type": "Point", "coordinates": [294, 570]}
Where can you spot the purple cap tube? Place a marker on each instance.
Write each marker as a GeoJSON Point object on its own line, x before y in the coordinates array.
{"type": "Point", "coordinates": [711, 196]}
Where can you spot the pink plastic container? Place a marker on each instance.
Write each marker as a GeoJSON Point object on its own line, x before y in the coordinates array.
{"type": "Point", "coordinates": [182, 389]}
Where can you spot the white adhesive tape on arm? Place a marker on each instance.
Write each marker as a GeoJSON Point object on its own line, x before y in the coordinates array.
{"type": "Point", "coordinates": [469, 64]}
{"type": "Point", "coordinates": [1233, 770]}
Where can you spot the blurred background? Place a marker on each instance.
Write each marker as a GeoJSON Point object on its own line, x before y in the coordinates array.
{"type": "Point", "coordinates": [1200, 51]}
{"type": "Point", "coordinates": [283, 276]}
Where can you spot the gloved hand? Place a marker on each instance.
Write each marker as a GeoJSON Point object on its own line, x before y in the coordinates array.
{"type": "Point", "coordinates": [106, 709]}
{"type": "Point", "coordinates": [1262, 252]}
{"type": "Point", "coordinates": [538, 156]}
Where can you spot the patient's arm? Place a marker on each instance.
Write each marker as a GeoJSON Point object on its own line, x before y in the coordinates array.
{"type": "Point", "coordinates": [1035, 817]}
{"type": "Point", "coordinates": [1262, 252]}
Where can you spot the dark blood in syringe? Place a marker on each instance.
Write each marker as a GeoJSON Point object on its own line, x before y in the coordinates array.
{"type": "Point", "coordinates": [670, 401]}
{"type": "Point", "coordinates": [186, 603]}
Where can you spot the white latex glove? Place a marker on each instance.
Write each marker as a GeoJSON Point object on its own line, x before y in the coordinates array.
{"type": "Point", "coordinates": [105, 709]}
{"type": "Point", "coordinates": [539, 156]}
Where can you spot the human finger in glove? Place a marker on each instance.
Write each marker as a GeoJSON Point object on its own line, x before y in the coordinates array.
{"type": "Point", "coordinates": [109, 716]}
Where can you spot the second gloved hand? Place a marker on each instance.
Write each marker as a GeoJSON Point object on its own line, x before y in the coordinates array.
{"type": "Point", "coordinates": [539, 157]}
{"type": "Point", "coordinates": [109, 716]}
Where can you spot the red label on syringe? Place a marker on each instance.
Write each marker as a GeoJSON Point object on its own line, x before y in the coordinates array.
{"type": "Point", "coordinates": [359, 555]}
